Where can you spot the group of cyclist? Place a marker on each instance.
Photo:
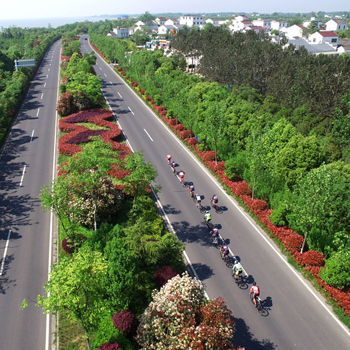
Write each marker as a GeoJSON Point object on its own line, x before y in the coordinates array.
{"type": "Point", "coordinates": [237, 267]}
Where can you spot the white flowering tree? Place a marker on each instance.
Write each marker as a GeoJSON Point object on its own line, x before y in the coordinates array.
{"type": "Point", "coordinates": [180, 317]}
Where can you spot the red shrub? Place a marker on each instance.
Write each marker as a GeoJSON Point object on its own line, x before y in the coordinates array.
{"type": "Point", "coordinates": [68, 246]}
{"type": "Point", "coordinates": [185, 134]}
{"type": "Point", "coordinates": [148, 97]}
{"type": "Point", "coordinates": [65, 104]}
{"type": "Point", "coordinates": [109, 346]}
{"type": "Point", "coordinates": [152, 102]}
{"type": "Point", "coordinates": [117, 172]}
{"type": "Point", "coordinates": [125, 321]}
{"type": "Point", "coordinates": [180, 127]}
{"type": "Point", "coordinates": [313, 258]}
{"type": "Point", "coordinates": [191, 141]}
{"type": "Point", "coordinates": [163, 113]}
{"type": "Point", "coordinates": [163, 275]}
{"type": "Point", "coordinates": [67, 149]}
{"type": "Point", "coordinates": [118, 69]}
{"type": "Point", "coordinates": [209, 155]}
{"type": "Point", "coordinates": [173, 121]}
{"type": "Point", "coordinates": [293, 242]}
{"type": "Point", "coordinates": [240, 188]}
{"type": "Point", "coordinates": [85, 136]}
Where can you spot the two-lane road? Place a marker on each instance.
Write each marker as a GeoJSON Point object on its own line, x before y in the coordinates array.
{"type": "Point", "coordinates": [26, 164]}
{"type": "Point", "coordinates": [298, 316]}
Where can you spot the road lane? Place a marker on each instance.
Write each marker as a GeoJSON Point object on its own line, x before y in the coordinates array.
{"type": "Point", "coordinates": [29, 146]}
{"type": "Point", "coordinates": [297, 319]}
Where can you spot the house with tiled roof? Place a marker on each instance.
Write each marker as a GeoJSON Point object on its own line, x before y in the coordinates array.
{"type": "Point", "coordinates": [266, 23]}
{"type": "Point", "coordinates": [324, 36]}
{"type": "Point", "coordinates": [213, 21]}
{"type": "Point", "coordinates": [344, 45]}
{"type": "Point", "coordinates": [256, 29]}
{"type": "Point", "coordinates": [164, 29]}
{"type": "Point", "coordinates": [160, 20]}
{"type": "Point", "coordinates": [278, 25]}
{"type": "Point", "coordinates": [240, 18]}
{"type": "Point", "coordinates": [172, 22]}
{"type": "Point", "coordinates": [336, 24]}
{"type": "Point", "coordinates": [239, 26]}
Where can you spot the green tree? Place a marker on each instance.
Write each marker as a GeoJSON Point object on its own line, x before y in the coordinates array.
{"type": "Point", "coordinates": [76, 286]}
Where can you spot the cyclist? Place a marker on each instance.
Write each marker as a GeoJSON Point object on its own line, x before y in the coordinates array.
{"type": "Point", "coordinates": [224, 251]}
{"type": "Point", "coordinates": [173, 165]}
{"type": "Point", "coordinates": [207, 218]}
{"type": "Point", "coordinates": [254, 292]}
{"type": "Point", "coordinates": [214, 200]}
{"type": "Point", "coordinates": [191, 190]}
{"type": "Point", "coordinates": [237, 269]}
{"type": "Point", "coordinates": [168, 157]}
{"type": "Point", "coordinates": [198, 200]}
{"type": "Point", "coordinates": [214, 232]}
{"type": "Point", "coordinates": [181, 174]}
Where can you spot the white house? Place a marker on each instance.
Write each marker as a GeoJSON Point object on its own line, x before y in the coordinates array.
{"type": "Point", "coordinates": [294, 31]}
{"type": "Point", "coordinates": [172, 22]}
{"type": "Point", "coordinates": [344, 45]}
{"type": "Point", "coordinates": [278, 25]}
{"type": "Point", "coordinates": [139, 24]}
{"type": "Point", "coordinates": [238, 26]}
{"type": "Point", "coordinates": [132, 30]}
{"type": "Point", "coordinates": [336, 24]}
{"type": "Point", "coordinates": [192, 20]}
{"type": "Point", "coordinates": [214, 21]}
{"type": "Point", "coordinates": [266, 23]}
{"type": "Point", "coordinates": [306, 24]}
{"type": "Point", "coordinates": [163, 29]}
{"type": "Point", "coordinates": [256, 29]}
{"type": "Point", "coordinates": [160, 20]}
{"type": "Point", "coordinates": [121, 32]}
{"type": "Point", "coordinates": [241, 18]}
{"type": "Point", "coordinates": [324, 36]}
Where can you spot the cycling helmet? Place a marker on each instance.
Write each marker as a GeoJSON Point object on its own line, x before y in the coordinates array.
{"type": "Point", "coordinates": [207, 212]}
{"type": "Point", "coordinates": [196, 194]}
{"type": "Point", "coordinates": [254, 284]}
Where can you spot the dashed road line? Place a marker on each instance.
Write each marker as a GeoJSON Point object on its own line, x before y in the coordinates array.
{"type": "Point", "coordinates": [148, 134]}
{"type": "Point", "coordinates": [131, 111]}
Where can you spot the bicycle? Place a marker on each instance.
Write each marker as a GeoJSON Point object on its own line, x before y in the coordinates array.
{"type": "Point", "coordinates": [240, 281]}
{"type": "Point", "coordinates": [259, 306]}
{"type": "Point", "coordinates": [216, 208]}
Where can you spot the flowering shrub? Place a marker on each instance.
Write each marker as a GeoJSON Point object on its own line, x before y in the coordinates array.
{"type": "Point", "coordinates": [67, 246]}
{"type": "Point", "coordinates": [70, 244]}
{"type": "Point", "coordinates": [293, 242]}
{"type": "Point", "coordinates": [163, 113]}
{"type": "Point", "coordinates": [191, 141]}
{"type": "Point", "coordinates": [67, 149]}
{"type": "Point", "coordinates": [313, 258]}
{"type": "Point", "coordinates": [209, 155]}
{"type": "Point", "coordinates": [65, 104]}
{"type": "Point", "coordinates": [179, 127]}
{"type": "Point", "coordinates": [118, 69]}
{"type": "Point", "coordinates": [163, 275]}
{"type": "Point", "coordinates": [178, 318]}
{"type": "Point", "coordinates": [117, 172]}
{"type": "Point", "coordinates": [109, 346]}
{"type": "Point", "coordinates": [125, 321]}
{"type": "Point", "coordinates": [148, 97]}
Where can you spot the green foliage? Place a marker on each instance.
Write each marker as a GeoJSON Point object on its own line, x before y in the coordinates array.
{"type": "Point", "coordinates": [337, 271]}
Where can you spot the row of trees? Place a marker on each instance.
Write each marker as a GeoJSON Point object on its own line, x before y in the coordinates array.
{"type": "Point", "coordinates": [278, 149]}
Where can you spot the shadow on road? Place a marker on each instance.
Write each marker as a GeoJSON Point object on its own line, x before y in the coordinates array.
{"type": "Point", "coordinates": [189, 234]}
{"type": "Point", "coordinates": [244, 338]}
{"type": "Point", "coordinates": [203, 271]}
{"type": "Point", "coordinates": [4, 281]}
{"type": "Point", "coordinates": [171, 210]}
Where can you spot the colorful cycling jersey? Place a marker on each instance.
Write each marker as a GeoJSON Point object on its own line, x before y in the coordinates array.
{"type": "Point", "coordinates": [181, 174]}
{"type": "Point", "coordinates": [215, 230]}
{"type": "Point", "coordinates": [198, 198]}
{"type": "Point", "coordinates": [207, 217]}
{"type": "Point", "coordinates": [255, 290]}
{"type": "Point", "coordinates": [168, 156]}
{"type": "Point", "coordinates": [237, 268]}
{"type": "Point", "coordinates": [191, 188]}
{"type": "Point", "coordinates": [215, 199]}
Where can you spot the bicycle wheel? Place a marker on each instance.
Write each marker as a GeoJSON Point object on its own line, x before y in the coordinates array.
{"type": "Point", "coordinates": [218, 210]}
{"type": "Point", "coordinates": [201, 209]}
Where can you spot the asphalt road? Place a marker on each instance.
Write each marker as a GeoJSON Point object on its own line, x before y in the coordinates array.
{"type": "Point", "coordinates": [298, 317]}
{"type": "Point", "coordinates": [26, 164]}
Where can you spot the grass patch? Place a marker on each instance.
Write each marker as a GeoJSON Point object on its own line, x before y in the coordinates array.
{"type": "Point", "coordinates": [61, 133]}
{"type": "Point", "coordinates": [92, 126]}
{"type": "Point", "coordinates": [62, 158]}
{"type": "Point", "coordinates": [71, 334]}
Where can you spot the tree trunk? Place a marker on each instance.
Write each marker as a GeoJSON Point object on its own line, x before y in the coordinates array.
{"type": "Point", "coordinates": [304, 242]}
{"type": "Point", "coordinates": [216, 153]}
{"type": "Point", "coordinates": [255, 176]}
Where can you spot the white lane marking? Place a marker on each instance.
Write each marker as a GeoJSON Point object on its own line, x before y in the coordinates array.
{"type": "Point", "coordinates": [37, 113]}
{"type": "Point", "coordinates": [148, 134]}
{"type": "Point", "coordinates": [24, 170]}
{"type": "Point", "coordinates": [47, 337]}
{"type": "Point", "coordinates": [49, 68]}
{"type": "Point", "coordinates": [111, 83]}
{"type": "Point", "coordinates": [285, 261]}
{"type": "Point", "coordinates": [131, 111]}
{"type": "Point", "coordinates": [44, 84]}
{"type": "Point", "coordinates": [5, 252]}
{"type": "Point", "coordinates": [50, 64]}
{"type": "Point", "coordinates": [97, 63]}
{"type": "Point", "coordinates": [100, 68]}
{"type": "Point", "coordinates": [31, 138]}
{"type": "Point", "coordinates": [42, 95]}
{"type": "Point", "coordinates": [47, 76]}
{"type": "Point", "coordinates": [120, 95]}
{"type": "Point", "coordinates": [105, 74]}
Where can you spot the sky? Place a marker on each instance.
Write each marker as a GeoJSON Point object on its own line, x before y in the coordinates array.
{"type": "Point", "coordinates": [23, 9]}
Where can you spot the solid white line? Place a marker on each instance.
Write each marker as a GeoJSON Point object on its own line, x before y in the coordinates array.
{"type": "Point", "coordinates": [37, 113]}
{"type": "Point", "coordinates": [120, 95]}
{"type": "Point", "coordinates": [5, 252]}
{"type": "Point", "coordinates": [31, 139]}
{"type": "Point", "coordinates": [42, 95]}
{"type": "Point", "coordinates": [291, 268]}
{"type": "Point", "coordinates": [148, 135]}
{"type": "Point", "coordinates": [24, 170]}
{"type": "Point", "coordinates": [47, 332]}
{"type": "Point", "coordinates": [131, 111]}
{"type": "Point", "coordinates": [105, 74]}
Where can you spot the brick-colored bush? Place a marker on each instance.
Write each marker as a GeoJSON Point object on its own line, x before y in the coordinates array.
{"type": "Point", "coordinates": [125, 321]}
{"type": "Point", "coordinates": [163, 275]}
